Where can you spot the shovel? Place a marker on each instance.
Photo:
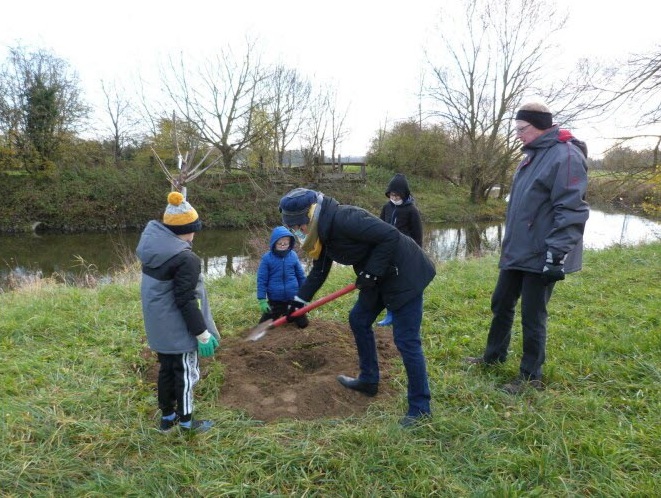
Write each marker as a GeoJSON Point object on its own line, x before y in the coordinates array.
{"type": "Point", "coordinates": [259, 331]}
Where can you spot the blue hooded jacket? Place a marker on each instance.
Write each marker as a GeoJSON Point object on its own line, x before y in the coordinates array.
{"type": "Point", "coordinates": [279, 275]}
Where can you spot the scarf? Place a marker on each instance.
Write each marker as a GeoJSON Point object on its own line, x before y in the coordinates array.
{"type": "Point", "coordinates": [312, 244]}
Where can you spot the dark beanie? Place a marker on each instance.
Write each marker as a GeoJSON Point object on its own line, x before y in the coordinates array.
{"type": "Point", "coordinates": [295, 206]}
{"type": "Point", "coordinates": [540, 120]}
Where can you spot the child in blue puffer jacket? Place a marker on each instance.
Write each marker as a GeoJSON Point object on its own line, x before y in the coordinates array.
{"type": "Point", "coordinates": [279, 277]}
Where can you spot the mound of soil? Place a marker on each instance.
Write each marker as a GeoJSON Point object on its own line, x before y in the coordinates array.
{"type": "Point", "coordinates": [291, 373]}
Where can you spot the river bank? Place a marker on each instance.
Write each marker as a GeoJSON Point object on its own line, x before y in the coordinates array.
{"type": "Point", "coordinates": [106, 200]}
{"type": "Point", "coordinates": [91, 200]}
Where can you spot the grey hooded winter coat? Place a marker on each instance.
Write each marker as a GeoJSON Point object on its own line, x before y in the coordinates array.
{"type": "Point", "coordinates": [547, 210]}
{"type": "Point", "coordinates": [174, 301]}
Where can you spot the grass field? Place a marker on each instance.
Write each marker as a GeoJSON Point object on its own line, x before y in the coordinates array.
{"type": "Point", "coordinates": [78, 419]}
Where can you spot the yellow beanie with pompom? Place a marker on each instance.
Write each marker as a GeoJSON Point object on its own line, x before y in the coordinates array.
{"type": "Point", "coordinates": [180, 216]}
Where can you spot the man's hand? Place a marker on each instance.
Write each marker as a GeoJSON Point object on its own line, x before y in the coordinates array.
{"type": "Point", "coordinates": [554, 268]}
{"type": "Point", "coordinates": [295, 304]}
{"type": "Point", "coordinates": [206, 344]}
{"type": "Point", "coordinates": [366, 280]}
{"type": "Point", "coordinates": [264, 306]}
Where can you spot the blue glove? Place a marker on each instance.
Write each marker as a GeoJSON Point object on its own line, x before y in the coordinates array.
{"type": "Point", "coordinates": [206, 344]}
{"type": "Point", "coordinates": [366, 280]}
{"type": "Point", "coordinates": [554, 268]}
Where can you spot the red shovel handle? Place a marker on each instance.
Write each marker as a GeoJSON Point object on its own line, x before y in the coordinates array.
{"type": "Point", "coordinates": [315, 304]}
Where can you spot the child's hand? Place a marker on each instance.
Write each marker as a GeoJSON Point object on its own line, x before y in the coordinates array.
{"type": "Point", "coordinates": [206, 344]}
{"type": "Point", "coordinates": [264, 306]}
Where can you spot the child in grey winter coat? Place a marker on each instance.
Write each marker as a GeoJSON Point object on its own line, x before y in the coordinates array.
{"type": "Point", "coordinates": [178, 329]}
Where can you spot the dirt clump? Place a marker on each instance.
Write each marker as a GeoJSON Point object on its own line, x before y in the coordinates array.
{"type": "Point", "coordinates": [290, 373]}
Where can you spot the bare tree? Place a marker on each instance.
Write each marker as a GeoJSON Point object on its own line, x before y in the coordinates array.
{"type": "Point", "coordinates": [123, 120]}
{"type": "Point", "coordinates": [313, 134]}
{"type": "Point", "coordinates": [188, 169]}
{"type": "Point", "coordinates": [337, 125]}
{"type": "Point", "coordinates": [495, 58]}
{"type": "Point", "coordinates": [219, 97]}
{"type": "Point", "coordinates": [290, 94]}
{"type": "Point", "coordinates": [632, 89]}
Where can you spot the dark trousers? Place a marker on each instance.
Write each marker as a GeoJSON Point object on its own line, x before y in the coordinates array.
{"type": "Point", "coordinates": [406, 333]}
{"type": "Point", "coordinates": [177, 376]}
{"type": "Point", "coordinates": [278, 309]}
{"type": "Point", "coordinates": [534, 295]}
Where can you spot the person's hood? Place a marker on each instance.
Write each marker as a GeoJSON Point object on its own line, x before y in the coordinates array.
{"type": "Point", "coordinates": [566, 136]}
{"type": "Point", "coordinates": [556, 135]}
{"type": "Point", "coordinates": [158, 244]}
{"type": "Point", "coordinates": [400, 185]}
{"type": "Point", "coordinates": [278, 233]}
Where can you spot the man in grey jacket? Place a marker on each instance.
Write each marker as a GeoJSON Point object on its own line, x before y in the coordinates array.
{"type": "Point", "coordinates": [543, 239]}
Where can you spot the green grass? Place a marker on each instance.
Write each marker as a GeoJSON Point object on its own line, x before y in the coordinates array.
{"type": "Point", "coordinates": [77, 420]}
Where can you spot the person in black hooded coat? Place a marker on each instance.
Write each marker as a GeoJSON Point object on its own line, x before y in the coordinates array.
{"type": "Point", "coordinates": [401, 212]}
{"type": "Point", "coordinates": [391, 271]}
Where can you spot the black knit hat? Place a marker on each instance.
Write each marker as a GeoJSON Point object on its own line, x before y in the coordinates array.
{"type": "Point", "coordinates": [540, 120]}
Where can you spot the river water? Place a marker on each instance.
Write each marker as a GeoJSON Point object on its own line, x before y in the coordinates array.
{"type": "Point", "coordinates": [226, 252]}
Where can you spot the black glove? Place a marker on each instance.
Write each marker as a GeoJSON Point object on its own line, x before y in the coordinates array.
{"type": "Point", "coordinates": [554, 268]}
{"type": "Point", "coordinates": [295, 304]}
{"type": "Point", "coordinates": [366, 280]}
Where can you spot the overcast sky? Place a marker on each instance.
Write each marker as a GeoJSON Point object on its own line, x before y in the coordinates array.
{"type": "Point", "coordinates": [370, 50]}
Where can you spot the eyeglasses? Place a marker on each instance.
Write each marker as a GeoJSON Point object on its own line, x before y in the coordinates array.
{"type": "Point", "coordinates": [523, 128]}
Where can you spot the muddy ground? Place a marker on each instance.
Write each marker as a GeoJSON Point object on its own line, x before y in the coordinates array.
{"type": "Point", "coordinates": [291, 373]}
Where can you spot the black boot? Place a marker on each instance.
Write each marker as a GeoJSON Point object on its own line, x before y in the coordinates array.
{"type": "Point", "coordinates": [368, 388]}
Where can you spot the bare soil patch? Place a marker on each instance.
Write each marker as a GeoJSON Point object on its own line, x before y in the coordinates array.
{"type": "Point", "coordinates": [291, 373]}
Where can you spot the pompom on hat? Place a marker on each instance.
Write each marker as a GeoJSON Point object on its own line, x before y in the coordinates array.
{"type": "Point", "coordinates": [180, 217]}
{"type": "Point", "coordinates": [295, 206]}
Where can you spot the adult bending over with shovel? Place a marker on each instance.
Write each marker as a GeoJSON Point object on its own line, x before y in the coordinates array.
{"type": "Point", "coordinates": [392, 272]}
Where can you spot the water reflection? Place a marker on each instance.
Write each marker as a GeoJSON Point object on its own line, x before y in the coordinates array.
{"type": "Point", "coordinates": [608, 229]}
{"type": "Point", "coordinates": [222, 266]}
{"type": "Point", "coordinates": [602, 230]}
{"type": "Point", "coordinates": [473, 240]}
{"type": "Point", "coordinates": [225, 252]}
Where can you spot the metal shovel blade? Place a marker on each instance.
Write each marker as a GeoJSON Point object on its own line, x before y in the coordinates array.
{"type": "Point", "coordinates": [260, 330]}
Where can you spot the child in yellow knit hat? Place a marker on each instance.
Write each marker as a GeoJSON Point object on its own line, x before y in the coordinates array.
{"type": "Point", "coordinates": [176, 311]}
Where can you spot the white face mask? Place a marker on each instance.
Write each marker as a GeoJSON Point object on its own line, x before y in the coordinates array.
{"type": "Point", "coordinates": [396, 202]}
{"type": "Point", "coordinates": [299, 235]}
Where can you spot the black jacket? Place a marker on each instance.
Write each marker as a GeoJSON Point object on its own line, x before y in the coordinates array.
{"type": "Point", "coordinates": [351, 236]}
{"type": "Point", "coordinates": [405, 217]}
